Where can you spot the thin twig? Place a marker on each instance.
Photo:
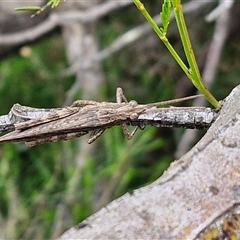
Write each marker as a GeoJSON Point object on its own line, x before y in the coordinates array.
{"type": "Point", "coordinates": [86, 116]}
{"type": "Point", "coordinates": [57, 19]}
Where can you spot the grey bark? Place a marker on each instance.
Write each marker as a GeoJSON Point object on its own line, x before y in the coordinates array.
{"type": "Point", "coordinates": [200, 189]}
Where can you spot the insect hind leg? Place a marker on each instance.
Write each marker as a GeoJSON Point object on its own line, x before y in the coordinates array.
{"type": "Point", "coordinates": [95, 134]}
{"type": "Point", "coordinates": [60, 137]}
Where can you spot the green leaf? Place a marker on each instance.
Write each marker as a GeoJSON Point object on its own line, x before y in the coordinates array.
{"type": "Point", "coordinates": [165, 15]}
{"type": "Point", "coordinates": [51, 3]}
{"type": "Point", "coordinates": [29, 8]}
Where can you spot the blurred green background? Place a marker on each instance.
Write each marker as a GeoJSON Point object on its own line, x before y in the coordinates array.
{"type": "Point", "coordinates": [46, 189]}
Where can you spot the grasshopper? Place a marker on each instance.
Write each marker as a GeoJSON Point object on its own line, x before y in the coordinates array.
{"type": "Point", "coordinates": [82, 117]}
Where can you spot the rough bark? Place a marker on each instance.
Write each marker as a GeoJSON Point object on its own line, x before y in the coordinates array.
{"type": "Point", "coordinates": [199, 190]}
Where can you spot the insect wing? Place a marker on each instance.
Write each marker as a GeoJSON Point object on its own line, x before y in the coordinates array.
{"type": "Point", "coordinates": [48, 118]}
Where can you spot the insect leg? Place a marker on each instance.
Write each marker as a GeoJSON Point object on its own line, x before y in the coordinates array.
{"type": "Point", "coordinates": [119, 98]}
{"type": "Point", "coordinates": [60, 137]}
{"type": "Point", "coordinates": [127, 133]}
{"type": "Point", "coordinates": [95, 134]}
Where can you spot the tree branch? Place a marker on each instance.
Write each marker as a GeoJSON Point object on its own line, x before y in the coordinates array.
{"type": "Point", "coordinates": [200, 189]}
{"type": "Point", "coordinates": [57, 19]}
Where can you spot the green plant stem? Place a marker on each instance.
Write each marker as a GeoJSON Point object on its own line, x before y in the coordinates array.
{"type": "Point", "coordinates": [162, 36]}
{"type": "Point", "coordinates": [194, 71]}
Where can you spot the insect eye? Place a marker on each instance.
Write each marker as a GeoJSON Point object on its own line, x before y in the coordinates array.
{"type": "Point", "coordinates": [133, 103]}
